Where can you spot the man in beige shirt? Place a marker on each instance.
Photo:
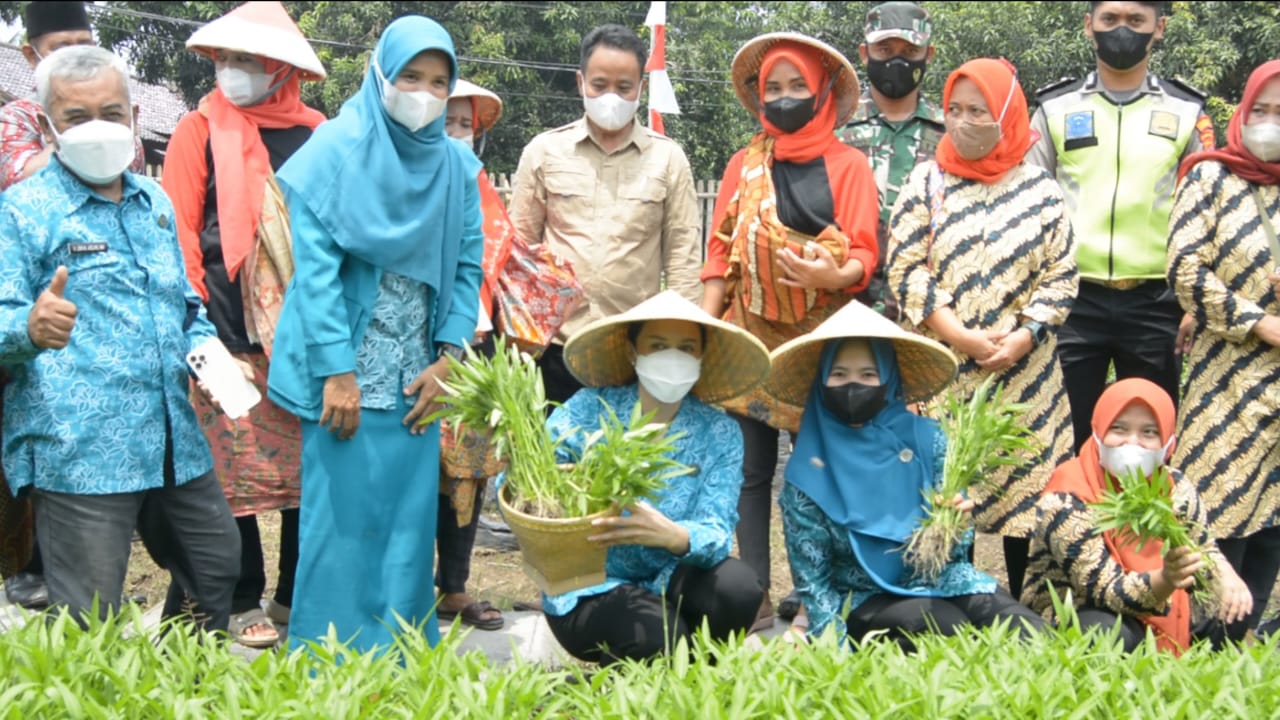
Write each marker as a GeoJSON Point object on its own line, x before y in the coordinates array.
{"type": "Point", "coordinates": [611, 196]}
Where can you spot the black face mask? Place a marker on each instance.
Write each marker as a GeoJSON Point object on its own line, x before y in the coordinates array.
{"type": "Point", "coordinates": [854, 403]}
{"type": "Point", "coordinates": [1122, 48]}
{"type": "Point", "coordinates": [789, 114]}
{"type": "Point", "coordinates": [896, 77]}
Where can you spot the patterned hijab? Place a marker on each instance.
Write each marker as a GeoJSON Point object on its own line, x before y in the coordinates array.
{"type": "Point", "coordinates": [388, 196]}
{"type": "Point", "coordinates": [870, 479]}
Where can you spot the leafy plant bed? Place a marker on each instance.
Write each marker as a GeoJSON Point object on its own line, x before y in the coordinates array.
{"type": "Point", "coordinates": [116, 670]}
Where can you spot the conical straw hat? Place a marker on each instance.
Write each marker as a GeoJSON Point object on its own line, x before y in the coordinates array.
{"type": "Point", "coordinates": [733, 361]}
{"type": "Point", "coordinates": [926, 366]}
{"type": "Point", "coordinates": [259, 28]}
{"type": "Point", "coordinates": [746, 72]}
{"type": "Point", "coordinates": [488, 105]}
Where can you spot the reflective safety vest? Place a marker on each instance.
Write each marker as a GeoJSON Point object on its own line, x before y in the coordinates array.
{"type": "Point", "coordinates": [1118, 167]}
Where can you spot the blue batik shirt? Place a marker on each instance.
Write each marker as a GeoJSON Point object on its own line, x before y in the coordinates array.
{"type": "Point", "coordinates": [92, 418]}
{"type": "Point", "coordinates": [704, 502]}
{"type": "Point", "coordinates": [827, 574]}
{"type": "Point", "coordinates": [393, 351]}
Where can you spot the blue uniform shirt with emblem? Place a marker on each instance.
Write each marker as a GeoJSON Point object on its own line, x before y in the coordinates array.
{"type": "Point", "coordinates": [93, 417]}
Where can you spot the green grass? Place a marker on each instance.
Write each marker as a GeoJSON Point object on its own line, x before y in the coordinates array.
{"type": "Point", "coordinates": [116, 670]}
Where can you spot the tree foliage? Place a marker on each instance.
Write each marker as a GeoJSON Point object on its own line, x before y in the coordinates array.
{"type": "Point", "coordinates": [527, 51]}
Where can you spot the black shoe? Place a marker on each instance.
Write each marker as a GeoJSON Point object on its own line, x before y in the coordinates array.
{"type": "Point", "coordinates": [28, 591]}
{"type": "Point", "coordinates": [789, 607]}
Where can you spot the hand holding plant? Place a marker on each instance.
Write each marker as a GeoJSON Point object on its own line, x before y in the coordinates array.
{"type": "Point", "coordinates": [983, 434]}
{"type": "Point", "coordinates": [1139, 509]}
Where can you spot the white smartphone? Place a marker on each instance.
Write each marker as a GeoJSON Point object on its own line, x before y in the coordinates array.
{"type": "Point", "coordinates": [221, 374]}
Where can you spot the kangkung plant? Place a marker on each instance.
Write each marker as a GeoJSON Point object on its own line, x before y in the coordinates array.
{"type": "Point", "coordinates": [984, 433]}
{"type": "Point", "coordinates": [1138, 509]}
{"type": "Point", "coordinates": [503, 397]}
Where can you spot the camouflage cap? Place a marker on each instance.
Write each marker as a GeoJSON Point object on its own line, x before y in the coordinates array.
{"type": "Point", "coordinates": [905, 20]}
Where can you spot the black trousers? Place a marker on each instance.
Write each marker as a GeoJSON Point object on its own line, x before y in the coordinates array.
{"type": "Point", "coordinates": [755, 504]}
{"type": "Point", "coordinates": [903, 617]}
{"type": "Point", "coordinates": [454, 545]}
{"type": "Point", "coordinates": [559, 382]}
{"type": "Point", "coordinates": [1134, 329]}
{"type": "Point", "coordinates": [253, 576]}
{"type": "Point", "coordinates": [1133, 630]}
{"type": "Point", "coordinates": [1016, 552]}
{"type": "Point", "coordinates": [630, 622]}
{"type": "Point", "coordinates": [1256, 559]}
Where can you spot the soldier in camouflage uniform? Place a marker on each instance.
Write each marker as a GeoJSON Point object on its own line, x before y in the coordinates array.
{"type": "Point", "coordinates": [895, 126]}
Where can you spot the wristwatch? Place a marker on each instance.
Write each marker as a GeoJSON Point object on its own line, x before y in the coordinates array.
{"type": "Point", "coordinates": [1039, 333]}
{"type": "Point", "coordinates": [451, 350]}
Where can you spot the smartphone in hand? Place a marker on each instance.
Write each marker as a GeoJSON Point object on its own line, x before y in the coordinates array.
{"type": "Point", "coordinates": [221, 375]}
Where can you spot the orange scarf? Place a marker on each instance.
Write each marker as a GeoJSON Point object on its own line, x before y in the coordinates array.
{"type": "Point", "coordinates": [812, 140]}
{"type": "Point", "coordinates": [241, 160]}
{"type": "Point", "coordinates": [996, 79]}
{"type": "Point", "coordinates": [1235, 155]}
{"type": "Point", "coordinates": [754, 234]}
{"type": "Point", "coordinates": [498, 232]}
{"type": "Point", "coordinates": [1084, 477]}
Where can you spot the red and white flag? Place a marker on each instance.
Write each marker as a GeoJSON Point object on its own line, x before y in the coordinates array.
{"type": "Point", "coordinates": [662, 96]}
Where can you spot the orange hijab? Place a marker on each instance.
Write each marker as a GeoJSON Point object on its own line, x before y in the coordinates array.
{"type": "Point", "coordinates": [1084, 477]}
{"type": "Point", "coordinates": [241, 160]}
{"type": "Point", "coordinates": [812, 140]}
{"type": "Point", "coordinates": [996, 78]}
{"type": "Point", "coordinates": [1235, 156]}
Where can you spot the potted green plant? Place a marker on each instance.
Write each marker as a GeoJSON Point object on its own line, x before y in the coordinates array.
{"type": "Point", "coordinates": [548, 504]}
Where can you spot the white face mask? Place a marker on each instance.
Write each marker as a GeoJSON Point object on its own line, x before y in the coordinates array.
{"type": "Point", "coordinates": [468, 140]}
{"type": "Point", "coordinates": [610, 111]}
{"type": "Point", "coordinates": [1262, 140]}
{"type": "Point", "coordinates": [668, 375]}
{"type": "Point", "coordinates": [97, 152]}
{"type": "Point", "coordinates": [1120, 461]}
{"type": "Point", "coordinates": [244, 88]}
{"type": "Point", "coordinates": [414, 110]}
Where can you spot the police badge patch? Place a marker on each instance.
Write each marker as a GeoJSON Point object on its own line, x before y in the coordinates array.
{"type": "Point", "coordinates": [1079, 131]}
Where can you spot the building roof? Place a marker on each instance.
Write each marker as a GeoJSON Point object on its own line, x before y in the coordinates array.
{"type": "Point", "coordinates": [159, 107]}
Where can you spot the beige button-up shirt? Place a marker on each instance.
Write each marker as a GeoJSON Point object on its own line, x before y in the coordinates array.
{"type": "Point", "coordinates": [625, 219]}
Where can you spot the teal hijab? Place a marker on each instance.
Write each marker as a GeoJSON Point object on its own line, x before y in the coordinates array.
{"type": "Point", "coordinates": [388, 196]}
{"type": "Point", "coordinates": [869, 479]}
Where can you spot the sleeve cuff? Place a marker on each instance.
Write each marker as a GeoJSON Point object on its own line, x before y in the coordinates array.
{"type": "Point", "coordinates": [704, 543]}
{"type": "Point", "coordinates": [330, 359]}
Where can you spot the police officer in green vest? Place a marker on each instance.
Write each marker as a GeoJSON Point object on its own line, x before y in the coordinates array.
{"type": "Point", "coordinates": [1114, 140]}
{"type": "Point", "coordinates": [895, 126]}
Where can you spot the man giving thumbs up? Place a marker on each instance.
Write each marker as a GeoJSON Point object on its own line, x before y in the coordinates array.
{"type": "Point", "coordinates": [95, 428]}
{"type": "Point", "coordinates": [53, 316]}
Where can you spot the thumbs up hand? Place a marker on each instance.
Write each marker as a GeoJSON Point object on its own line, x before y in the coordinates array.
{"type": "Point", "coordinates": [53, 316]}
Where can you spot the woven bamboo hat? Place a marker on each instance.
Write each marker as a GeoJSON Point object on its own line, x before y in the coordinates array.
{"type": "Point", "coordinates": [259, 28]}
{"type": "Point", "coordinates": [746, 71]}
{"type": "Point", "coordinates": [926, 366]}
{"type": "Point", "coordinates": [488, 106]}
{"type": "Point", "coordinates": [733, 360]}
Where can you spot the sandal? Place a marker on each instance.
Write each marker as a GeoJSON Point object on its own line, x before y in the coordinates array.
{"type": "Point", "coordinates": [240, 624]}
{"type": "Point", "coordinates": [474, 615]}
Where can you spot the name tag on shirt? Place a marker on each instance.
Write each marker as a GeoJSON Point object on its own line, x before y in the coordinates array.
{"type": "Point", "coordinates": [86, 248]}
{"type": "Point", "coordinates": [1163, 124]}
